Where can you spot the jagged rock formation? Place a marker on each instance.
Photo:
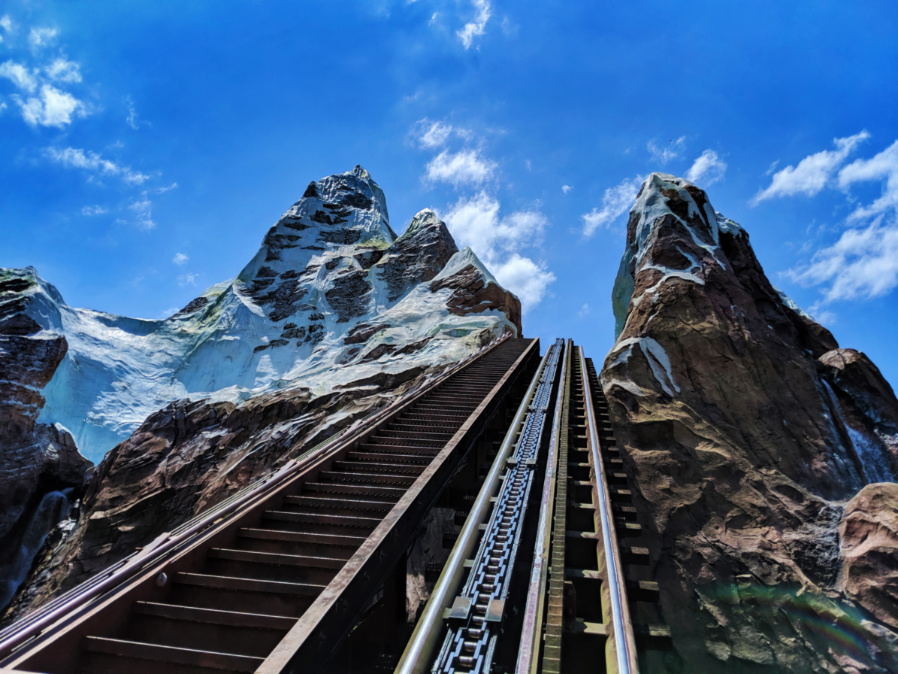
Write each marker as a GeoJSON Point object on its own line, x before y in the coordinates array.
{"type": "Point", "coordinates": [36, 459]}
{"type": "Point", "coordinates": [746, 431]}
{"type": "Point", "coordinates": [332, 317]}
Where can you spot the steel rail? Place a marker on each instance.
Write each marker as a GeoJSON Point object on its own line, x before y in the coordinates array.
{"type": "Point", "coordinates": [418, 654]}
{"type": "Point", "coordinates": [80, 599]}
{"type": "Point", "coordinates": [625, 646]}
{"type": "Point", "coordinates": [528, 654]}
{"type": "Point", "coordinates": [471, 642]}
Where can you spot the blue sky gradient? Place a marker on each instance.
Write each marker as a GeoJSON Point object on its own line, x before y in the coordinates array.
{"type": "Point", "coordinates": [145, 148]}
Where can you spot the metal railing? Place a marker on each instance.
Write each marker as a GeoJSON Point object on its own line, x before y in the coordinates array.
{"type": "Point", "coordinates": [79, 599]}
{"type": "Point", "coordinates": [620, 610]}
{"type": "Point", "coordinates": [419, 652]}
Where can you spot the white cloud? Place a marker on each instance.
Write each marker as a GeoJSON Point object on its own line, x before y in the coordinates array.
{"type": "Point", "coordinates": [584, 311]}
{"type": "Point", "coordinates": [498, 242]}
{"type": "Point", "coordinates": [616, 201]}
{"type": "Point", "coordinates": [466, 167]}
{"type": "Point", "coordinates": [3, 106]}
{"type": "Point", "coordinates": [163, 190]}
{"type": "Point", "coordinates": [93, 210]}
{"type": "Point", "coordinates": [91, 161]}
{"type": "Point", "coordinates": [51, 107]}
{"type": "Point", "coordinates": [63, 70]}
{"type": "Point", "coordinates": [566, 189]}
{"type": "Point", "coordinates": [40, 37]}
{"type": "Point", "coordinates": [477, 27]}
{"type": "Point", "coordinates": [432, 133]}
{"type": "Point", "coordinates": [187, 279]}
{"type": "Point", "coordinates": [707, 169]}
{"type": "Point", "coordinates": [131, 119]}
{"type": "Point", "coordinates": [6, 23]}
{"type": "Point", "coordinates": [18, 75]}
{"type": "Point", "coordinates": [180, 259]}
{"type": "Point", "coordinates": [525, 278]}
{"type": "Point", "coordinates": [143, 211]}
{"type": "Point", "coordinates": [812, 173]}
{"type": "Point", "coordinates": [668, 152]}
{"type": "Point", "coordinates": [862, 264]}
{"type": "Point", "coordinates": [883, 166]}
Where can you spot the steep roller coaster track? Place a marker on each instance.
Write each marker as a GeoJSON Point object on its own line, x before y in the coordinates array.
{"type": "Point", "coordinates": [305, 570]}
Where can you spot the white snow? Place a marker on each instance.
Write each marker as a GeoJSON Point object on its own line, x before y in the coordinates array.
{"type": "Point", "coordinates": [655, 356]}
{"type": "Point", "coordinates": [875, 465]}
{"type": "Point", "coordinates": [119, 370]}
{"type": "Point", "coordinates": [651, 205]}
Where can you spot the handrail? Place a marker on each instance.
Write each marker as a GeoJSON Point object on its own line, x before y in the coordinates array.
{"type": "Point", "coordinates": [528, 655]}
{"type": "Point", "coordinates": [620, 610]}
{"type": "Point", "coordinates": [32, 624]}
{"type": "Point", "coordinates": [417, 656]}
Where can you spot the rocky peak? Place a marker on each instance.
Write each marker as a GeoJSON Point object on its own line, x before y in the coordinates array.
{"type": "Point", "coordinates": [418, 255]}
{"type": "Point", "coordinates": [328, 318]}
{"type": "Point", "coordinates": [745, 431]}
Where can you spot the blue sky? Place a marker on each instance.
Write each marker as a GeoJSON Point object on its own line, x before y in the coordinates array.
{"type": "Point", "coordinates": [145, 148]}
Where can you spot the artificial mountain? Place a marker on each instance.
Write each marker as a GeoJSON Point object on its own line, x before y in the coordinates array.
{"type": "Point", "coordinates": [333, 317]}
{"type": "Point", "coordinates": [763, 455]}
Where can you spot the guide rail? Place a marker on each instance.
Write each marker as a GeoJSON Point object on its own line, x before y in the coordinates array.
{"type": "Point", "coordinates": [272, 580]}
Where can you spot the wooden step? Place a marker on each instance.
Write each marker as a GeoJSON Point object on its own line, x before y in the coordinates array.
{"type": "Point", "coordinates": [181, 656]}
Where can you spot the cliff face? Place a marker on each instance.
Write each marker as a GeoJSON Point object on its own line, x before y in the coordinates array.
{"type": "Point", "coordinates": [334, 316]}
{"type": "Point", "coordinates": [756, 445]}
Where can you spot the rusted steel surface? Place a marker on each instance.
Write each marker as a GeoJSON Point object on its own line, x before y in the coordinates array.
{"type": "Point", "coordinates": [104, 608]}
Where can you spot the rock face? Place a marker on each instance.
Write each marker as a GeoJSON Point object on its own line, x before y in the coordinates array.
{"type": "Point", "coordinates": [869, 539]}
{"type": "Point", "coordinates": [332, 317]}
{"type": "Point", "coordinates": [746, 429]}
{"type": "Point", "coordinates": [35, 458]}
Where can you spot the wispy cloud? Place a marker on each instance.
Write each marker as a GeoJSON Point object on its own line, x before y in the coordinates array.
{"type": "Point", "coordinates": [51, 107]}
{"type": "Point", "coordinates": [477, 27]}
{"type": "Point", "coordinates": [466, 167]}
{"type": "Point", "coordinates": [187, 279]}
{"type": "Point", "coordinates": [667, 152]}
{"type": "Point", "coordinates": [584, 311]}
{"type": "Point", "coordinates": [862, 264]}
{"type": "Point", "coordinates": [24, 79]}
{"type": "Point", "coordinates": [41, 37]}
{"type": "Point", "coordinates": [616, 201]}
{"type": "Point", "coordinates": [63, 70]}
{"type": "Point", "coordinates": [432, 134]}
{"type": "Point", "coordinates": [884, 167]}
{"type": "Point", "coordinates": [93, 163]}
{"type": "Point", "coordinates": [6, 23]}
{"type": "Point", "coordinates": [707, 169]}
{"type": "Point", "coordinates": [93, 210]}
{"type": "Point", "coordinates": [143, 212]}
{"type": "Point", "coordinates": [131, 119]}
{"type": "Point", "coordinates": [500, 241]}
{"type": "Point", "coordinates": [565, 189]}
{"type": "Point", "coordinates": [180, 259]}
{"type": "Point", "coordinates": [812, 173]}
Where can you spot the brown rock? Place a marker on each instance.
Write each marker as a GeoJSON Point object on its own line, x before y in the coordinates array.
{"type": "Point", "coordinates": [734, 445]}
{"type": "Point", "coordinates": [869, 538]}
{"type": "Point", "coordinates": [471, 296]}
